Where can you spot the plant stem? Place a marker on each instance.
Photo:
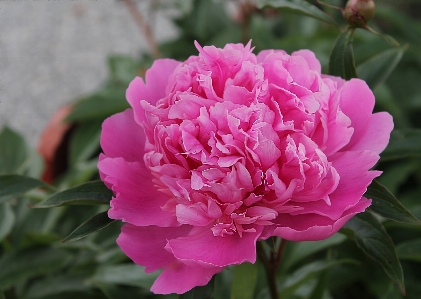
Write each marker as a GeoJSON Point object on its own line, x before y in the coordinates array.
{"type": "Point", "coordinates": [271, 266]}
{"type": "Point", "coordinates": [144, 28]}
{"type": "Point", "coordinates": [280, 252]}
{"type": "Point", "coordinates": [246, 12]}
{"type": "Point", "coordinates": [269, 271]}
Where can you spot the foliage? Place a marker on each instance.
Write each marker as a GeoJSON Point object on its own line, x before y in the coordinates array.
{"type": "Point", "coordinates": [376, 255]}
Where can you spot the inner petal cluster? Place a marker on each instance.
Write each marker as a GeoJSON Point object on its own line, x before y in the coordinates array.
{"type": "Point", "coordinates": [235, 148]}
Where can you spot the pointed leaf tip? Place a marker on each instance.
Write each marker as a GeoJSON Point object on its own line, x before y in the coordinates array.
{"type": "Point", "coordinates": [94, 224]}
{"type": "Point", "coordinates": [386, 204]}
{"type": "Point", "coordinates": [371, 237]}
{"type": "Point", "coordinates": [341, 62]}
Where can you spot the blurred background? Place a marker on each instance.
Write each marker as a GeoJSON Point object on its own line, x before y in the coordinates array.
{"type": "Point", "coordinates": [53, 52]}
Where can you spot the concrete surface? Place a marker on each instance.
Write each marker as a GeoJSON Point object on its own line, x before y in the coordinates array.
{"type": "Point", "coordinates": [52, 52]}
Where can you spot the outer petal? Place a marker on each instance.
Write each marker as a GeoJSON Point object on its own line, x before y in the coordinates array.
{"type": "Point", "coordinates": [122, 137]}
{"type": "Point", "coordinates": [180, 278]}
{"type": "Point", "coordinates": [352, 168]}
{"type": "Point", "coordinates": [376, 134]}
{"type": "Point", "coordinates": [157, 81]}
{"type": "Point", "coordinates": [312, 227]}
{"type": "Point", "coordinates": [203, 247]}
{"type": "Point", "coordinates": [371, 132]}
{"type": "Point", "coordinates": [146, 247]}
{"type": "Point", "coordinates": [137, 200]}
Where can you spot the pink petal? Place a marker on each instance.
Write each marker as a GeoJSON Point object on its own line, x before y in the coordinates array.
{"type": "Point", "coordinates": [352, 168]}
{"type": "Point", "coordinates": [180, 278]}
{"type": "Point", "coordinates": [376, 134]}
{"type": "Point", "coordinates": [312, 61]}
{"type": "Point", "coordinates": [338, 80]}
{"type": "Point", "coordinates": [371, 132]}
{"type": "Point", "coordinates": [146, 245]}
{"type": "Point", "coordinates": [267, 151]}
{"type": "Point", "coordinates": [353, 183]}
{"type": "Point", "coordinates": [136, 200]}
{"type": "Point", "coordinates": [157, 82]}
{"type": "Point", "coordinates": [192, 215]}
{"type": "Point", "coordinates": [312, 227]}
{"type": "Point", "coordinates": [122, 137]}
{"type": "Point", "coordinates": [203, 247]}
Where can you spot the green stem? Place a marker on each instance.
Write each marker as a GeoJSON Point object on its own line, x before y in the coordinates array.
{"type": "Point", "coordinates": [246, 15]}
{"type": "Point", "coordinates": [271, 265]}
{"type": "Point", "coordinates": [269, 271]}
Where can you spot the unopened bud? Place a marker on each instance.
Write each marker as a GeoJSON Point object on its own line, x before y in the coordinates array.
{"type": "Point", "coordinates": [358, 12]}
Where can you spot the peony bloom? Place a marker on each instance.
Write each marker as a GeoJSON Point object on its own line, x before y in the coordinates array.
{"type": "Point", "coordinates": [229, 148]}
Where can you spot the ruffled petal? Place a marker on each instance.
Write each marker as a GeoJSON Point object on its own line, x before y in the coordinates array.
{"type": "Point", "coordinates": [352, 185]}
{"type": "Point", "coordinates": [157, 82]}
{"type": "Point", "coordinates": [312, 61]}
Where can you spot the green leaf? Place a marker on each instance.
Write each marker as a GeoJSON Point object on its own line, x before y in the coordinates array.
{"type": "Point", "coordinates": [410, 250]}
{"type": "Point", "coordinates": [13, 185]}
{"type": "Point", "coordinates": [206, 20]}
{"type": "Point", "coordinates": [205, 292]}
{"type": "Point", "coordinates": [19, 266]}
{"type": "Point", "coordinates": [305, 273]}
{"type": "Point", "coordinates": [100, 105]}
{"type": "Point", "coordinates": [341, 62]}
{"type": "Point", "coordinates": [297, 6]}
{"type": "Point", "coordinates": [378, 68]}
{"type": "Point", "coordinates": [386, 204]}
{"type": "Point", "coordinates": [13, 152]}
{"type": "Point", "coordinates": [403, 143]}
{"type": "Point", "coordinates": [7, 220]}
{"type": "Point", "coordinates": [223, 282]}
{"type": "Point", "coordinates": [85, 141]}
{"type": "Point", "coordinates": [244, 281]}
{"type": "Point", "coordinates": [90, 193]}
{"type": "Point", "coordinates": [34, 165]}
{"type": "Point", "coordinates": [56, 285]}
{"type": "Point", "coordinates": [320, 289]}
{"type": "Point", "coordinates": [123, 68]}
{"type": "Point", "coordinates": [124, 274]}
{"type": "Point", "coordinates": [372, 238]}
{"type": "Point", "coordinates": [397, 175]}
{"type": "Point", "coordinates": [35, 239]}
{"type": "Point", "coordinates": [94, 224]}
{"type": "Point", "coordinates": [79, 173]}
{"type": "Point", "coordinates": [297, 251]}
{"type": "Point", "coordinates": [118, 292]}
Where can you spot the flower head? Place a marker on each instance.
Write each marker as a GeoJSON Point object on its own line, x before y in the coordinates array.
{"type": "Point", "coordinates": [228, 148]}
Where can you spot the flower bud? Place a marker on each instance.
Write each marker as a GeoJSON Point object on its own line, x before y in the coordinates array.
{"type": "Point", "coordinates": [358, 12]}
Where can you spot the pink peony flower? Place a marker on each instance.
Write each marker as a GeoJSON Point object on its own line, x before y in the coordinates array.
{"type": "Point", "coordinates": [229, 148]}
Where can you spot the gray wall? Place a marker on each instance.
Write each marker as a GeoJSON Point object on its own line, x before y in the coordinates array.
{"type": "Point", "coordinates": [52, 52]}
